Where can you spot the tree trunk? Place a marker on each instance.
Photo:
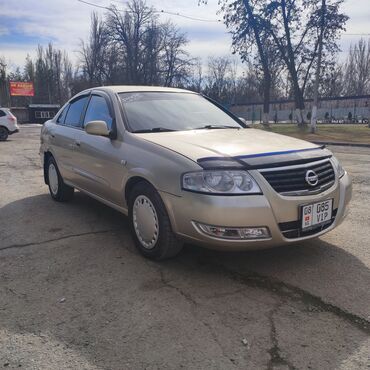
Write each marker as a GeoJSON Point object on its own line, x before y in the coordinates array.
{"type": "Point", "coordinates": [298, 92]}
{"type": "Point", "coordinates": [298, 99]}
{"type": "Point", "coordinates": [300, 117]}
{"type": "Point", "coordinates": [318, 67]}
{"type": "Point", "coordinates": [266, 97]}
{"type": "Point", "coordinates": [264, 62]}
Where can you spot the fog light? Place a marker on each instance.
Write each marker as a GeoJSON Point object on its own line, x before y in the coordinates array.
{"type": "Point", "coordinates": [236, 233]}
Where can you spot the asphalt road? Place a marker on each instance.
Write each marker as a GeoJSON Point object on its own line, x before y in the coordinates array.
{"type": "Point", "coordinates": [75, 294]}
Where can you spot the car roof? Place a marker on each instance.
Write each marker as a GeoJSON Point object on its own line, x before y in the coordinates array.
{"type": "Point", "coordinates": [132, 88]}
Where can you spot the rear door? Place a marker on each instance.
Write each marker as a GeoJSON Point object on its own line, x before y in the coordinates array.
{"type": "Point", "coordinates": [100, 157]}
{"type": "Point", "coordinates": [65, 138]}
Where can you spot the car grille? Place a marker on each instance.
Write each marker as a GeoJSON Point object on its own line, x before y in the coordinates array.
{"type": "Point", "coordinates": [292, 230]}
{"type": "Point", "coordinates": [291, 180]}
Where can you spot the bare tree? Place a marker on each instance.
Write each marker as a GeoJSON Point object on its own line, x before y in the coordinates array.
{"type": "Point", "coordinates": [4, 94]}
{"type": "Point", "coordinates": [295, 28]}
{"type": "Point", "coordinates": [150, 52]}
{"type": "Point", "coordinates": [243, 18]}
{"type": "Point", "coordinates": [218, 78]}
{"type": "Point", "coordinates": [250, 84]}
{"type": "Point", "coordinates": [51, 73]}
{"type": "Point", "coordinates": [332, 82]}
{"type": "Point", "coordinates": [66, 78]}
{"type": "Point", "coordinates": [175, 60]}
{"type": "Point", "coordinates": [127, 32]}
{"type": "Point", "coordinates": [196, 76]}
{"type": "Point", "coordinates": [93, 52]}
{"type": "Point", "coordinates": [357, 69]}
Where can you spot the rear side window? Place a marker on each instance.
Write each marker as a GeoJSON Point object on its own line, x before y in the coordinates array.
{"type": "Point", "coordinates": [62, 116]}
{"type": "Point", "coordinates": [98, 110]}
{"type": "Point", "coordinates": [74, 112]}
{"type": "Point", "coordinates": [2, 113]}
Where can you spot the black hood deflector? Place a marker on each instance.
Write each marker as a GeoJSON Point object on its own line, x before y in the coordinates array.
{"type": "Point", "coordinates": [266, 160]}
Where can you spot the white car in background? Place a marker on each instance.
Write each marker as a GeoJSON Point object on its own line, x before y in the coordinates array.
{"type": "Point", "coordinates": [8, 123]}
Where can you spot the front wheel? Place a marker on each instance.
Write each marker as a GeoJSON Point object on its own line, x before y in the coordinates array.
{"type": "Point", "coordinates": [150, 224]}
{"type": "Point", "coordinates": [59, 191]}
{"type": "Point", "coordinates": [3, 133]}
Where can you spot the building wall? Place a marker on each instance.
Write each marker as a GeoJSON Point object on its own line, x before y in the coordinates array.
{"type": "Point", "coordinates": [35, 114]}
{"type": "Point", "coordinates": [21, 113]}
{"type": "Point", "coordinates": [42, 114]}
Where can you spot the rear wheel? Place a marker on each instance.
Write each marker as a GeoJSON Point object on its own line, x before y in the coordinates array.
{"type": "Point", "coordinates": [3, 133]}
{"type": "Point", "coordinates": [150, 224]}
{"type": "Point", "coordinates": [59, 191]}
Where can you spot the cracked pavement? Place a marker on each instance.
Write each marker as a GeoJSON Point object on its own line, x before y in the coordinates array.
{"type": "Point", "coordinates": [75, 294]}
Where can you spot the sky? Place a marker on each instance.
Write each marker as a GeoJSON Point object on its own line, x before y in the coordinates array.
{"type": "Point", "coordinates": [26, 23]}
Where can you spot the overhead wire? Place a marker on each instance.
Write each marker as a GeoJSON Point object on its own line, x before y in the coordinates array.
{"type": "Point", "coordinates": [177, 14]}
{"type": "Point", "coordinates": [160, 11]}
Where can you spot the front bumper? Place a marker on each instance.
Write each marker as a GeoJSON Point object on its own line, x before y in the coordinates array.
{"type": "Point", "coordinates": [270, 209]}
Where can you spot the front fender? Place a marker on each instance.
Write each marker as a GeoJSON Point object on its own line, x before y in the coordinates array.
{"type": "Point", "coordinates": [156, 164]}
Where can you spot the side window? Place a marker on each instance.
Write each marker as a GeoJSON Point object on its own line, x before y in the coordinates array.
{"type": "Point", "coordinates": [75, 111]}
{"type": "Point", "coordinates": [2, 113]}
{"type": "Point", "coordinates": [62, 116]}
{"type": "Point", "coordinates": [98, 110]}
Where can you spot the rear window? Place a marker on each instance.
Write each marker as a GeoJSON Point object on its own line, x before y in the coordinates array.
{"type": "Point", "coordinates": [2, 113]}
{"type": "Point", "coordinates": [75, 112]}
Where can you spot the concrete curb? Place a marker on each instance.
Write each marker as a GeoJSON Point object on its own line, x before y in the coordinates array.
{"type": "Point", "coordinates": [30, 125]}
{"type": "Point", "coordinates": [359, 145]}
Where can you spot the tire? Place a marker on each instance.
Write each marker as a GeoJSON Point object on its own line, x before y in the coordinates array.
{"type": "Point", "coordinates": [154, 239]}
{"type": "Point", "coordinates": [59, 191]}
{"type": "Point", "coordinates": [4, 133]}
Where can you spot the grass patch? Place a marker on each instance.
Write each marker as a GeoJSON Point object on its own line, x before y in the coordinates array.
{"type": "Point", "coordinates": [346, 133]}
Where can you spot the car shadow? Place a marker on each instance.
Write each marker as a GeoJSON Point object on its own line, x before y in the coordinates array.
{"type": "Point", "coordinates": [111, 287]}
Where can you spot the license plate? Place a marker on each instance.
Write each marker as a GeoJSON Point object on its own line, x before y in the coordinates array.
{"type": "Point", "coordinates": [316, 214]}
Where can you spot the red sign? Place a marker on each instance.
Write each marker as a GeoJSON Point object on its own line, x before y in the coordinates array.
{"type": "Point", "coordinates": [21, 88]}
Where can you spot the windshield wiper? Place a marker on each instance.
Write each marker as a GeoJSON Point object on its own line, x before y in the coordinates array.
{"type": "Point", "coordinates": [211, 127]}
{"type": "Point", "coordinates": [154, 129]}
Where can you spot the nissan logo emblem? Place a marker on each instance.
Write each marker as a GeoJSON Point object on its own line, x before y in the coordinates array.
{"type": "Point", "coordinates": [312, 178]}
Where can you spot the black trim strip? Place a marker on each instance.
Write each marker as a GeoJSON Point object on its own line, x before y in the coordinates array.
{"type": "Point", "coordinates": [267, 154]}
{"type": "Point", "coordinates": [261, 162]}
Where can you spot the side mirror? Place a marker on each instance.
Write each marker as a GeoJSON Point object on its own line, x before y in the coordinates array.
{"type": "Point", "coordinates": [98, 128]}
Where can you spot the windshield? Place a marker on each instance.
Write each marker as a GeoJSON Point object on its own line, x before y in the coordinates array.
{"type": "Point", "coordinates": [162, 111]}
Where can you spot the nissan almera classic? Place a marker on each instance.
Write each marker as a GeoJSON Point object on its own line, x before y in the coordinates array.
{"type": "Point", "coordinates": [185, 169]}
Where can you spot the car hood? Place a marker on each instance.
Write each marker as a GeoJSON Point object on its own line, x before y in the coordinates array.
{"type": "Point", "coordinates": [220, 143]}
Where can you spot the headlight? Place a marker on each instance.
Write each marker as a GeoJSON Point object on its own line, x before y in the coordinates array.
{"type": "Point", "coordinates": [220, 182]}
{"type": "Point", "coordinates": [340, 170]}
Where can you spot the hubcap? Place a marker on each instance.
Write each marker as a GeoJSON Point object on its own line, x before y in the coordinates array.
{"type": "Point", "coordinates": [145, 221]}
{"type": "Point", "coordinates": [53, 179]}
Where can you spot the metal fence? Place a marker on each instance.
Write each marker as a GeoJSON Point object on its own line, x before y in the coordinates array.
{"type": "Point", "coordinates": [353, 109]}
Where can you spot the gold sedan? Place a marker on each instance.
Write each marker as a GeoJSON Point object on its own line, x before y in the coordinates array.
{"type": "Point", "coordinates": [185, 169]}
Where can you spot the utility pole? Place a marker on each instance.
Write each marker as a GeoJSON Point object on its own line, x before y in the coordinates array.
{"type": "Point", "coordinates": [318, 68]}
